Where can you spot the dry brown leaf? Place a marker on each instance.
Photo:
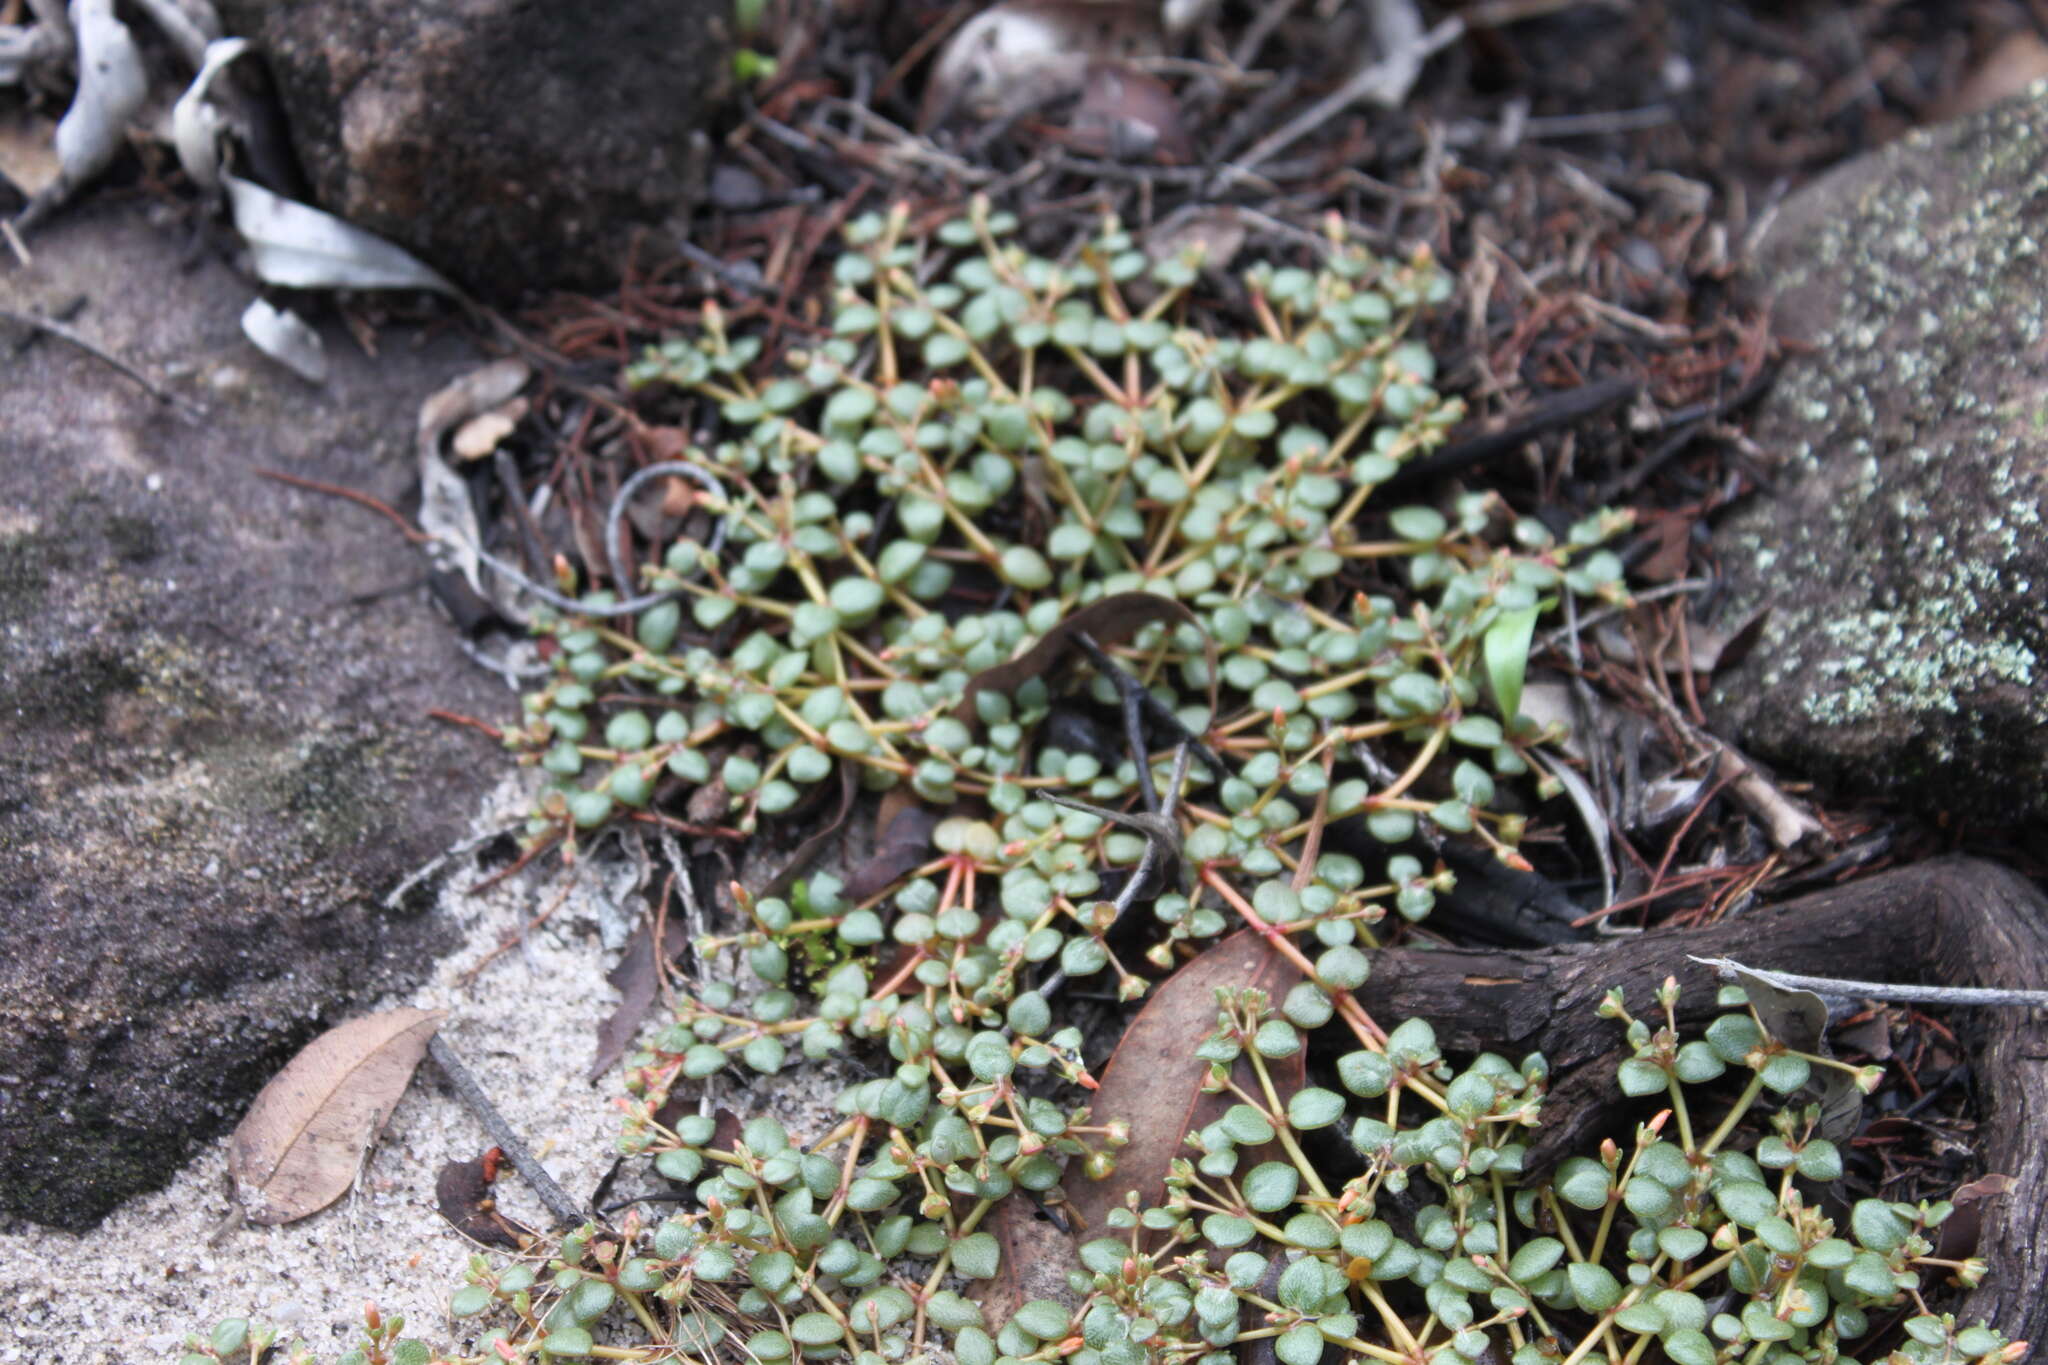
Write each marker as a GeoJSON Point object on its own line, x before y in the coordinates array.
{"type": "Point", "coordinates": [1035, 1255]}
{"type": "Point", "coordinates": [483, 433]}
{"type": "Point", "coordinates": [1127, 115]}
{"type": "Point", "coordinates": [446, 512]}
{"type": "Point", "coordinates": [1154, 1079]}
{"type": "Point", "coordinates": [1109, 621]}
{"type": "Point", "coordinates": [807, 852]}
{"type": "Point", "coordinates": [901, 847]}
{"type": "Point", "coordinates": [298, 1148]}
{"type": "Point", "coordinates": [1960, 1232]}
{"type": "Point", "coordinates": [462, 1192]}
{"type": "Point", "coordinates": [636, 979]}
{"type": "Point", "coordinates": [1216, 233]}
{"type": "Point", "coordinates": [1800, 1020]}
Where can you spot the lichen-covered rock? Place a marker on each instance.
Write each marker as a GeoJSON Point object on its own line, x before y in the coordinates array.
{"type": "Point", "coordinates": [511, 145]}
{"type": "Point", "coordinates": [1902, 553]}
{"type": "Point", "coordinates": [214, 757]}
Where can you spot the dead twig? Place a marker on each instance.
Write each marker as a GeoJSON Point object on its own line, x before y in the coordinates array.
{"type": "Point", "coordinates": [54, 328]}
{"type": "Point", "coordinates": [565, 1209]}
{"type": "Point", "coordinates": [1728, 969]}
{"type": "Point", "coordinates": [384, 509]}
{"type": "Point", "coordinates": [1385, 82]}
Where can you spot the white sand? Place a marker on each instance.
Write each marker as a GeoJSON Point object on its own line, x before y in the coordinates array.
{"type": "Point", "coordinates": [130, 1290]}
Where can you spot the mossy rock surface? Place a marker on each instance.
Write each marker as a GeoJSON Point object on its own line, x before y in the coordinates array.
{"type": "Point", "coordinates": [214, 758]}
{"type": "Point", "coordinates": [1903, 556]}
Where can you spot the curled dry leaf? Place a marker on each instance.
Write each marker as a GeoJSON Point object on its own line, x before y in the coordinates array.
{"type": "Point", "coordinates": [1154, 1079]}
{"type": "Point", "coordinates": [462, 1192]}
{"type": "Point", "coordinates": [446, 513]}
{"type": "Point", "coordinates": [483, 433]}
{"type": "Point", "coordinates": [111, 88]}
{"type": "Point", "coordinates": [196, 124]}
{"type": "Point", "coordinates": [1800, 1019]}
{"type": "Point", "coordinates": [1127, 115]}
{"type": "Point", "coordinates": [285, 337]}
{"type": "Point", "coordinates": [1961, 1231]}
{"type": "Point", "coordinates": [1024, 53]}
{"type": "Point", "coordinates": [300, 247]}
{"type": "Point", "coordinates": [298, 1148]}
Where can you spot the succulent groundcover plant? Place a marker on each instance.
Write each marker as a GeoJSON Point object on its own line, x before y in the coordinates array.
{"type": "Point", "coordinates": [996, 465]}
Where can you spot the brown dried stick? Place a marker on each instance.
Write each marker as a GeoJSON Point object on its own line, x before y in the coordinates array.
{"type": "Point", "coordinates": [566, 1212]}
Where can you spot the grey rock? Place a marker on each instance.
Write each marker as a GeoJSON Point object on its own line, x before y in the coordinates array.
{"type": "Point", "coordinates": [214, 757]}
{"type": "Point", "coordinates": [1903, 555]}
{"type": "Point", "coordinates": [510, 145]}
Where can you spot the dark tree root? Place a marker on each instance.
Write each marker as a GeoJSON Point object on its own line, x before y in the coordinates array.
{"type": "Point", "coordinates": [1952, 921]}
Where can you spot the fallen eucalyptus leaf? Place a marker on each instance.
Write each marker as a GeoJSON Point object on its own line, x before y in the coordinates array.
{"type": "Point", "coordinates": [111, 88]}
{"type": "Point", "coordinates": [900, 848]}
{"type": "Point", "coordinates": [1035, 1255]}
{"type": "Point", "coordinates": [300, 247]}
{"type": "Point", "coordinates": [1127, 115]}
{"type": "Point", "coordinates": [298, 1148]}
{"type": "Point", "coordinates": [1154, 1080]}
{"type": "Point", "coordinates": [284, 336]}
{"type": "Point", "coordinates": [446, 512]}
{"type": "Point", "coordinates": [636, 978]}
{"type": "Point", "coordinates": [196, 125]}
{"type": "Point", "coordinates": [807, 852]}
{"type": "Point", "coordinates": [1108, 621]}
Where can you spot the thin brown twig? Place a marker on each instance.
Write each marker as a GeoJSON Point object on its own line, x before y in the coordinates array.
{"type": "Point", "coordinates": [655, 817]}
{"type": "Point", "coordinates": [411, 532]}
{"type": "Point", "coordinates": [516, 865]}
{"type": "Point", "coordinates": [518, 936]}
{"type": "Point", "coordinates": [1685, 881]}
{"type": "Point", "coordinates": [457, 718]}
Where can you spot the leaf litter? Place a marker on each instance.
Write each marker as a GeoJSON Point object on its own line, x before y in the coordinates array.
{"type": "Point", "coordinates": [300, 1145]}
{"type": "Point", "coordinates": [1154, 1080]}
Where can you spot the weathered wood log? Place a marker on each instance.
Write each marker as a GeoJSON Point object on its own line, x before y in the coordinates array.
{"type": "Point", "coordinates": [1952, 921]}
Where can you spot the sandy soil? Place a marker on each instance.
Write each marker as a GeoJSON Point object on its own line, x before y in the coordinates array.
{"type": "Point", "coordinates": [155, 1270]}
